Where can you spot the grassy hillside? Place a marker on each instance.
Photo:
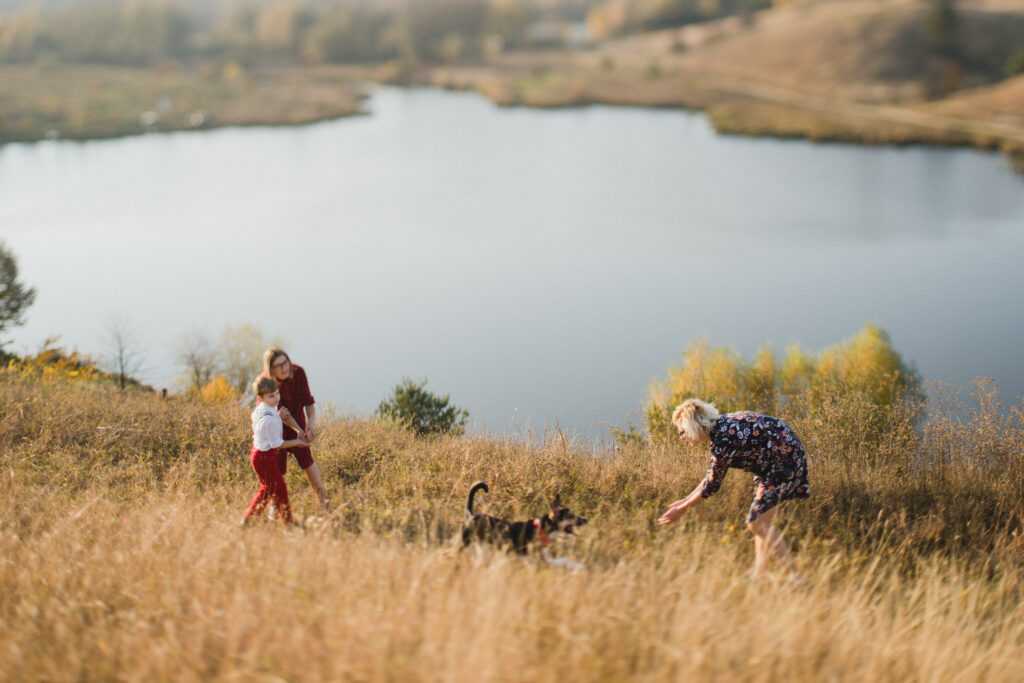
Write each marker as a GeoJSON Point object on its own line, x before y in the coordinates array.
{"type": "Point", "coordinates": [1004, 102]}
{"type": "Point", "coordinates": [121, 557]}
{"type": "Point", "coordinates": [862, 50]}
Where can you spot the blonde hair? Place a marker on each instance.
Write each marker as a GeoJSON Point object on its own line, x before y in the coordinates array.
{"type": "Point", "coordinates": [262, 386]}
{"type": "Point", "coordinates": [272, 354]}
{"type": "Point", "coordinates": [695, 417]}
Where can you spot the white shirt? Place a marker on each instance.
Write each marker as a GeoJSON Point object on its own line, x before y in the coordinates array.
{"type": "Point", "coordinates": [267, 428]}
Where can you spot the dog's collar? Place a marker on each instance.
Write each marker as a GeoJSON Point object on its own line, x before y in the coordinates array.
{"type": "Point", "coordinates": [545, 540]}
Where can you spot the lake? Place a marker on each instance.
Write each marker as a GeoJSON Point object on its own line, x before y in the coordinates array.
{"type": "Point", "coordinates": [541, 267]}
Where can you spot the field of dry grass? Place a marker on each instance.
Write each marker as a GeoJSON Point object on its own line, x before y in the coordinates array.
{"type": "Point", "coordinates": [121, 557]}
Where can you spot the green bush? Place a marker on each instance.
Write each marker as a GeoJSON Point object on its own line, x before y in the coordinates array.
{"type": "Point", "coordinates": [878, 393]}
{"type": "Point", "coordinates": [1015, 64]}
{"type": "Point", "coordinates": [423, 412]}
{"type": "Point", "coordinates": [939, 28]}
{"type": "Point", "coordinates": [14, 296]}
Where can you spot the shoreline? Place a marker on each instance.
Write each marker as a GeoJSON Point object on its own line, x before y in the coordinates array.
{"type": "Point", "coordinates": [302, 96]}
{"type": "Point", "coordinates": [182, 129]}
{"type": "Point", "coordinates": [739, 108]}
{"type": "Point", "coordinates": [102, 103]}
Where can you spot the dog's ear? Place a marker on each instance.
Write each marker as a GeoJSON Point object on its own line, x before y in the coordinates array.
{"type": "Point", "coordinates": [556, 504]}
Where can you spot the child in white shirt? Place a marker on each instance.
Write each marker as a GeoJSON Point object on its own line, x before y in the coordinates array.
{"type": "Point", "coordinates": [267, 438]}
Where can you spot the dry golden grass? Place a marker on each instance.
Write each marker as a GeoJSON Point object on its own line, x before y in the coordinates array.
{"type": "Point", "coordinates": [121, 557]}
{"type": "Point", "coordinates": [1002, 103]}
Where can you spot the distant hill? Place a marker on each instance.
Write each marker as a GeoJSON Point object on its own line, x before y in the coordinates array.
{"type": "Point", "coordinates": [867, 50]}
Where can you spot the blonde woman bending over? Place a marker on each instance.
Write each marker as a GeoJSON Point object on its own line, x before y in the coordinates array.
{"type": "Point", "coordinates": [757, 443]}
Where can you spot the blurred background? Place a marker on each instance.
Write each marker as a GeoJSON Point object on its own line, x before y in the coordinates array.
{"type": "Point", "coordinates": [533, 205]}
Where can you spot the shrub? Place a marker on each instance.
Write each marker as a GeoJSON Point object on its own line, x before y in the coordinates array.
{"type": "Point", "coordinates": [1015, 64]}
{"type": "Point", "coordinates": [423, 412]}
{"type": "Point", "coordinates": [14, 297]}
{"type": "Point", "coordinates": [57, 364]}
{"type": "Point", "coordinates": [877, 391]}
{"type": "Point", "coordinates": [218, 390]}
{"type": "Point", "coordinates": [939, 28]}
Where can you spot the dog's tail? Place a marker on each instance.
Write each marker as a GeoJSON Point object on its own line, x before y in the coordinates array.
{"type": "Point", "coordinates": [472, 492]}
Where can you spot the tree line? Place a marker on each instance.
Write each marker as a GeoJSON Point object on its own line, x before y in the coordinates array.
{"type": "Point", "coordinates": [149, 32]}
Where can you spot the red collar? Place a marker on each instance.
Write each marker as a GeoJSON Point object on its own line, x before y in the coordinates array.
{"type": "Point", "coordinates": [545, 540]}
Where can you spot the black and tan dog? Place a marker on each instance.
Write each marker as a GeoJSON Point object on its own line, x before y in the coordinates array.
{"type": "Point", "coordinates": [518, 537]}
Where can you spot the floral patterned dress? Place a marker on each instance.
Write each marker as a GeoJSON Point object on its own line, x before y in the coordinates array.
{"type": "Point", "coordinates": [765, 446]}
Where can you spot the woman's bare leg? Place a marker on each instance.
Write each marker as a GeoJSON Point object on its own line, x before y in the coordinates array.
{"type": "Point", "coordinates": [771, 543]}
{"type": "Point", "coordinates": [760, 556]}
{"type": "Point", "coordinates": [316, 483]}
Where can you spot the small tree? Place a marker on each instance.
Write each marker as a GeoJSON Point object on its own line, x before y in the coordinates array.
{"type": "Point", "coordinates": [123, 359]}
{"type": "Point", "coordinates": [1015, 64]}
{"type": "Point", "coordinates": [423, 412]}
{"type": "Point", "coordinates": [239, 357]}
{"type": "Point", "coordinates": [14, 298]}
{"type": "Point", "coordinates": [197, 357]}
{"type": "Point", "coordinates": [940, 28]}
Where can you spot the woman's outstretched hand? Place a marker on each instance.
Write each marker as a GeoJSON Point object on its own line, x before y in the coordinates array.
{"type": "Point", "coordinates": [674, 512]}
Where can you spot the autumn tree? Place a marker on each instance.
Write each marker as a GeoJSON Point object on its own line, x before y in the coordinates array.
{"type": "Point", "coordinates": [239, 356]}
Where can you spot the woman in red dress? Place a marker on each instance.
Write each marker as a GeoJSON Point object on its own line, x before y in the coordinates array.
{"type": "Point", "coordinates": [297, 403]}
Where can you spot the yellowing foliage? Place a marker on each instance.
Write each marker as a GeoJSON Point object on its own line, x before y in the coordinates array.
{"type": "Point", "coordinates": [56, 363]}
{"type": "Point", "coordinates": [866, 363]}
{"type": "Point", "coordinates": [218, 390]}
{"type": "Point", "coordinates": [865, 369]}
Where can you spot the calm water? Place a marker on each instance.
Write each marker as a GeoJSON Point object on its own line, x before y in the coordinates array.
{"type": "Point", "coordinates": [539, 266]}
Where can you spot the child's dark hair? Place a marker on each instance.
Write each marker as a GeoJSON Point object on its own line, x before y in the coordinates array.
{"type": "Point", "coordinates": [262, 386]}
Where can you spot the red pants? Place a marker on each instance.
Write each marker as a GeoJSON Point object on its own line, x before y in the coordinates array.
{"type": "Point", "coordinates": [273, 486]}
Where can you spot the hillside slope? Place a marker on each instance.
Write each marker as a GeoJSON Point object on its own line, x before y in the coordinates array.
{"type": "Point", "coordinates": [1001, 103]}
{"type": "Point", "coordinates": [866, 50]}
{"type": "Point", "coordinates": [121, 557]}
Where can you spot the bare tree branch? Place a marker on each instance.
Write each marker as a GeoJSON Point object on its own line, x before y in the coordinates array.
{"type": "Point", "coordinates": [123, 357]}
{"type": "Point", "coordinates": [196, 357]}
